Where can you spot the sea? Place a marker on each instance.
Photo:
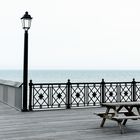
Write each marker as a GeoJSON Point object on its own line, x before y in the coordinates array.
{"type": "Point", "coordinates": [62, 76]}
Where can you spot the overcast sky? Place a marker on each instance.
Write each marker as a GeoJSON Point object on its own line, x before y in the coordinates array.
{"type": "Point", "coordinates": [71, 34]}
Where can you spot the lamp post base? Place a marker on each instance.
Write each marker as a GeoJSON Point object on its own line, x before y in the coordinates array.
{"type": "Point", "coordinates": [24, 110]}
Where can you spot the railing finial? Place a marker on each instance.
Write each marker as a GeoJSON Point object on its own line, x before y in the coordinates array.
{"type": "Point", "coordinates": [68, 80]}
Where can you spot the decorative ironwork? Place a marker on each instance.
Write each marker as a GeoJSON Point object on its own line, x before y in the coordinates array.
{"type": "Point", "coordinates": [41, 96]}
{"type": "Point", "coordinates": [138, 92]}
{"type": "Point", "coordinates": [77, 95]}
{"type": "Point", "coordinates": [111, 92]}
{"type": "Point", "coordinates": [70, 95]}
{"type": "Point", "coordinates": [94, 94]}
{"type": "Point", "coordinates": [126, 92]}
{"type": "Point", "coordinates": [48, 96]}
{"type": "Point", "coordinates": [58, 95]}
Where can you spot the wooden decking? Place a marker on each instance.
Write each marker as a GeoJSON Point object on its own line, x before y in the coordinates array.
{"type": "Point", "coordinates": [74, 124]}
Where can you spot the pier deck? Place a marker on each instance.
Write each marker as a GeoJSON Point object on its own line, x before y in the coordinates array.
{"type": "Point", "coordinates": [73, 124]}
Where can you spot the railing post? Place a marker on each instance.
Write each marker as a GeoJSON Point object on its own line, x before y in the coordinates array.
{"type": "Point", "coordinates": [30, 95]}
{"type": "Point", "coordinates": [102, 91]}
{"type": "Point", "coordinates": [133, 90]}
{"type": "Point", "coordinates": [68, 104]}
{"type": "Point", "coordinates": [118, 86]}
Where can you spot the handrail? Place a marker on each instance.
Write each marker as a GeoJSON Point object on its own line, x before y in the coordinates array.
{"type": "Point", "coordinates": [77, 94]}
{"type": "Point", "coordinates": [10, 83]}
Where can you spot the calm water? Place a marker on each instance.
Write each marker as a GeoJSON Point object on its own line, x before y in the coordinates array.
{"type": "Point", "coordinates": [73, 75]}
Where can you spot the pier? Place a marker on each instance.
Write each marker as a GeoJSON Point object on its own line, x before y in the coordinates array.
{"type": "Point", "coordinates": [73, 124]}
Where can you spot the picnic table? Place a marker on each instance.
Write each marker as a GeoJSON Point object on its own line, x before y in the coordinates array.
{"type": "Point", "coordinates": [120, 112]}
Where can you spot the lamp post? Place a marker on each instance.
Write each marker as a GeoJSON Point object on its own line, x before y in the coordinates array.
{"type": "Point", "coordinates": [26, 24]}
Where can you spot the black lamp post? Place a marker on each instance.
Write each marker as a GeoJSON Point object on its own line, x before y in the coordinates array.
{"type": "Point", "coordinates": [26, 24]}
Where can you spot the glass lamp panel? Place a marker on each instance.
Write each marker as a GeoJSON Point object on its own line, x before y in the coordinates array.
{"type": "Point", "coordinates": [26, 23]}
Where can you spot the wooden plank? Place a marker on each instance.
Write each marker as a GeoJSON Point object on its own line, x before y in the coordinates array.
{"type": "Point", "coordinates": [126, 117]}
{"type": "Point", "coordinates": [103, 113]}
{"type": "Point", "coordinates": [72, 124]}
{"type": "Point", "coordinates": [117, 104]}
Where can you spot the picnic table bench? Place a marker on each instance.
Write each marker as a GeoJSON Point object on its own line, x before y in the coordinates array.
{"type": "Point", "coordinates": [121, 112]}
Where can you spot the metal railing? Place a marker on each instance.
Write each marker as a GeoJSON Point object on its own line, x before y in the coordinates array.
{"type": "Point", "coordinates": [70, 95]}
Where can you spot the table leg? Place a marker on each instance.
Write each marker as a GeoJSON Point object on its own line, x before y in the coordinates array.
{"type": "Point", "coordinates": [129, 111]}
{"type": "Point", "coordinates": [119, 108]}
{"type": "Point", "coordinates": [138, 109]}
{"type": "Point", "coordinates": [121, 127]}
{"type": "Point", "coordinates": [124, 122]}
{"type": "Point", "coordinates": [104, 119]}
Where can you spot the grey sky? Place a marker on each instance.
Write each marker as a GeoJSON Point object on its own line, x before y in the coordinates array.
{"type": "Point", "coordinates": [72, 34]}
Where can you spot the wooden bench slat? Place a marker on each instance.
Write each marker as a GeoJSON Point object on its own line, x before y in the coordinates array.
{"type": "Point", "coordinates": [126, 117]}
{"type": "Point", "coordinates": [121, 112]}
{"type": "Point", "coordinates": [104, 115]}
{"type": "Point", "coordinates": [112, 116]}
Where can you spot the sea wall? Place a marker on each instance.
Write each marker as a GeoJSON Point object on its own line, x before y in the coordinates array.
{"type": "Point", "coordinates": [11, 93]}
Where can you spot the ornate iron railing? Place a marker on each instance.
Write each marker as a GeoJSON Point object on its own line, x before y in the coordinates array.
{"type": "Point", "coordinates": [70, 95]}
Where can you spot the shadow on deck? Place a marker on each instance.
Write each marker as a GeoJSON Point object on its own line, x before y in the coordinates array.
{"type": "Point", "coordinates": [74, 124]}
